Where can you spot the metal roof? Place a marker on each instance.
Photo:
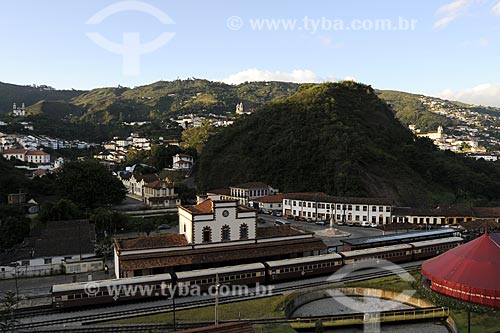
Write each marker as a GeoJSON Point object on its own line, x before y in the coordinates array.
{"type": "Point", "coordinates": [106, 283]}
{"type": "Point", "coordinates": [220, 270]}
{"type": "Point", "coordinates": [437, 241]}
{"type": "Point", "coordinates": [371, 250]}
{"type": "Point", "coordinates": [323, 257]}
{"type": "Point", "coordinates": [399, 237]}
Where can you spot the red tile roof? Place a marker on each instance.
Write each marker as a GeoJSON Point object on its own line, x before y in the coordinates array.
{"type": "Point", "coordinates": [277, 198]}
{"type": "Point", "coordinates": [205, 207]}
{"type": "Point", "coordinates": [36, 152]}
{"type": "Point", "coordinates": [220, 254]}
{"type": "Point", "coordinates": [150, 242]}
{"type": "Point", "coordinates": [154, 184]}
{"type": "Point", "coordinates": [15, 151]}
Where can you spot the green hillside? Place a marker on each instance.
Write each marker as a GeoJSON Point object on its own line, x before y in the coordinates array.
{"type": "Point", "coordinates": [410, 110]}
{"type": "Point", "coordinates": [164, 99]}
{"type": "Point", "coordinates": [11, 93]}
{"type": "Point", "coordinates": [54, 109]}
{"type": "Point", "coordinates": [342, 139]}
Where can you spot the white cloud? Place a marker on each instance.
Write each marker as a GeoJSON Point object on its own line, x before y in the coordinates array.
{"type": "Point", "coordinates": [483, 94]}
{"type": "Point", "coordinates": [329, 43]}
{"type": "Point", "coordinates": [450, 12]}
{"type": "Point", "coordinates": [496, 9]}
{"type": "Point", "coordinates": [253, 74]}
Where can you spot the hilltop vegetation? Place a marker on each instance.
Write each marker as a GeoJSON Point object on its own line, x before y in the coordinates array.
{"type": "Point", "coordinates": [340, 138]}
{"type": "Point", "coordinates": [410, 110]}
{"type": "Point", "coordinates": [11, 93]}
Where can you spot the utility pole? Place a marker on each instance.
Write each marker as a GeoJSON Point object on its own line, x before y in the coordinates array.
{"type": "Point", "coordinates": [173, 308]}
{"type": "Point", "coordinates": [217, 285]}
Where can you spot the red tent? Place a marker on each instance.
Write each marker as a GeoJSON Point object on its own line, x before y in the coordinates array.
{"type": "Point", "coordinates": [470, 272]}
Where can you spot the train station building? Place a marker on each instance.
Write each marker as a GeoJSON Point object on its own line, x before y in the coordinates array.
{"type": "Point", "coordinates": [212, 233]}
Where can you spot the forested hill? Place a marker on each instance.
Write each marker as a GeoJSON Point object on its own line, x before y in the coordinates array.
{"type": "Point", "coordinates": [11, 93]}
{"type": "Point", "coordinates": [340, 138]}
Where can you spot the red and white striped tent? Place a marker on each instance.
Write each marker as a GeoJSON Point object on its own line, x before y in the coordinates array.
{"type": "Point", "coordinates": [470, 272]}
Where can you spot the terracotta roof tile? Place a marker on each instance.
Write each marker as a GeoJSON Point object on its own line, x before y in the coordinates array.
{"type": "Point", "coordinates": [221, 254]}
{"type": "Point", "coordinates": [150, 242]}
{"type": "Point", "coordinates": [277, 198]}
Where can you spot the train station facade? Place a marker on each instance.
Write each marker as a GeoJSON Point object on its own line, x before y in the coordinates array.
{"type": "Point", "coordinates": [213, 233]}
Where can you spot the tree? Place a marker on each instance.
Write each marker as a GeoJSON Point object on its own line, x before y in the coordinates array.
{"type": "Point", "coordinates": [13, 229]}
{"type": "Point", "coordinates": [61, 211]}
{"type": "Point", "coordinates": [107, 221]}
{"type": "Point", "coordinates": [319, 326]}
{"type": "Point", "coordinates": [8, 322]}
{"type": "Point", "coordinates": [196, 137]}
{"type": "Point", "coordinates": [90, 184]}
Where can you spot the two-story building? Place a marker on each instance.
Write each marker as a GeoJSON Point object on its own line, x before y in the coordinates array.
{"type": "Point", "coordinates": [246, 192]}
{"type": "Point", "coordinates": [31, 156]}
{"type": "Point", "coordinates": [182, 162]}
{"type": "Point", "coordinates": [320, 206]}
{"type": "Point", "coordinates": [151, 190]}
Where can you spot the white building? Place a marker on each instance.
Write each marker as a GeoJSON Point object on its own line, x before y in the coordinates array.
{"type": "Point", "coordinates": [217, 221]}
{"type": "Point", "coordinates": [182, 162]}
{"type": "Point", "coordinates": [18, 111]}
{"type": "Point", "coordinates": [320, 206]}
{"type": "Point", "coordinates": [249, 191]}
{"type": "Point", "coordinates": [30, 156]}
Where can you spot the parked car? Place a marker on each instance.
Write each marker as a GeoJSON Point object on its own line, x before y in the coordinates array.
{"type": "Point", "coordinates": [309, 220]}
{"type": "Point", "coordinates": [302, 219]}
{"type": "Point", "coordinates": [281, 222]}
{"type": "Point", "coordinates": [278, 213]}
{"type": "Point", "coordinates": [289, 217]}
{"type": "Point", "coordinates": [365, 224]}
{"type": "Point", "coordinates": [163, 227]}
{"type": "Point", "coordinates": [373, 225]}
{"type": "Point", "coordinates": [340, 223]}
{"type": "Point", "coordinates": [350, 224]}
{"type": "Point", "coordinates": [320, 222]}
{"type": "Point", "coordinates": [261, 220]}
{"type": "Point", "coordinates": [296, 218]}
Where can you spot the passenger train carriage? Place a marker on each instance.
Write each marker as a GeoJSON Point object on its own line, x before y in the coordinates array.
{"type": "Point", "coordinates": [75, 294]}
{"type": "Point", "coordinates": [204, 278]}
{"type": "Point", "coordinates": [394, 253]}
{"type": "Point", "coordinates": [109, 291]}
{"type": "Point", "coordinates": [298, 268]}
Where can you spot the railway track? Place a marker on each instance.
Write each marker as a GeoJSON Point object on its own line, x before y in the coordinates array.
{"type": "Point", "coordinates": [115, 315]}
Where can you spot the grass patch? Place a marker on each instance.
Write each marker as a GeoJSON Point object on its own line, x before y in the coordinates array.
{"type": "Point", "coordinates": [277, 328]}
{"type": "Point", "coordinates": [262, 308]}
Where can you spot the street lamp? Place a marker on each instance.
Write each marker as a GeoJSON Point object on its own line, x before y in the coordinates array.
{"type": "Point", "coordinates": [15, 264]}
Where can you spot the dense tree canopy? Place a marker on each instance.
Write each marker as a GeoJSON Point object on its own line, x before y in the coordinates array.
{"type": "Point", "coordinates": [90, 184]}
{"type": "Point", "coordinates": [340, 138]}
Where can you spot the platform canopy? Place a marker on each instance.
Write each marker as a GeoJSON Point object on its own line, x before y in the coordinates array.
{"type": "Point", "coordinates": [470, 272]}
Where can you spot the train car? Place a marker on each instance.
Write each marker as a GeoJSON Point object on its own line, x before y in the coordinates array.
{"type": "Point", "coordinates": [432, 248]}
{"type": "Point", "coordinates": [110, 291]}
{"type": "Point", "coordinates": [394, 253]}
{"type": "Point", "coordinates": [248, 274]}
{"type": "Point", "coordinates": [298, 268]}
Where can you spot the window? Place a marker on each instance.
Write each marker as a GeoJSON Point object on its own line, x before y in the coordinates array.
{"type": "Point", "coordinates": [381, 209]}
{"type": "Point", "coordinates": [349, 207]}
{"type": "Point", "coordinates": [207, 234]}
{"type": "Point", "coordinates": [25, 263]}
{"type": "Point", "coordinates": [225, 233]}
{"type": "Point", "coordinates": [365, 208]}
{"type": "Point", "coordinates": [338, 207]}
{"type": "Point", "coordinates": [357, 208]}
{"type": "Point", "coordinates": [47, 261]}
{"type": "Point", "coordinates": [244, 231]}
{"type": "Point", "coordinates": [374, 208]}
{"type": "Point", "coordinates": [184, 228]}
{"type": "Point", "coordinates": [388, 209]}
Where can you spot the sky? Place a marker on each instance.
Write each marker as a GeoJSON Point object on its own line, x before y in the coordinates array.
{"type": "Point", "coordinates": [443, 48]}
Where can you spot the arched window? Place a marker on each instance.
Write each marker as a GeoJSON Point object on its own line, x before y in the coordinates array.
{"type": "Point", "coordinates": [207, 234]}
{"type": "Point", "coordinates": [225, 233]}
{"type": "Point", "coordinates": [244, 231]}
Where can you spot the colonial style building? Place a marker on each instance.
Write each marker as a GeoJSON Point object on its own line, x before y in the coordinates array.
{"type": "Point", "coordinates": [216, 221]}
{"type": "Point", "coordinates": [182, 162]}
{"type": "Point", "coordinates": [151, 190]}
{"type": "Point", "coordinates": [320, 206]}
{"type": "Point", "coordinates": [444, 215]}
{"type": "Point", "coordinates": [212, 233]}
{"type": "Point", "coordinates": [249, 191]}
{"type": "Point", "coordinates": [269, 203]}
{"type": "Point", "coordinates": [25, 155]}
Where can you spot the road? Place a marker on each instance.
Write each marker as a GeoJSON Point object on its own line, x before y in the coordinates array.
{"type": "Point", "coordinates": [355, 232]}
